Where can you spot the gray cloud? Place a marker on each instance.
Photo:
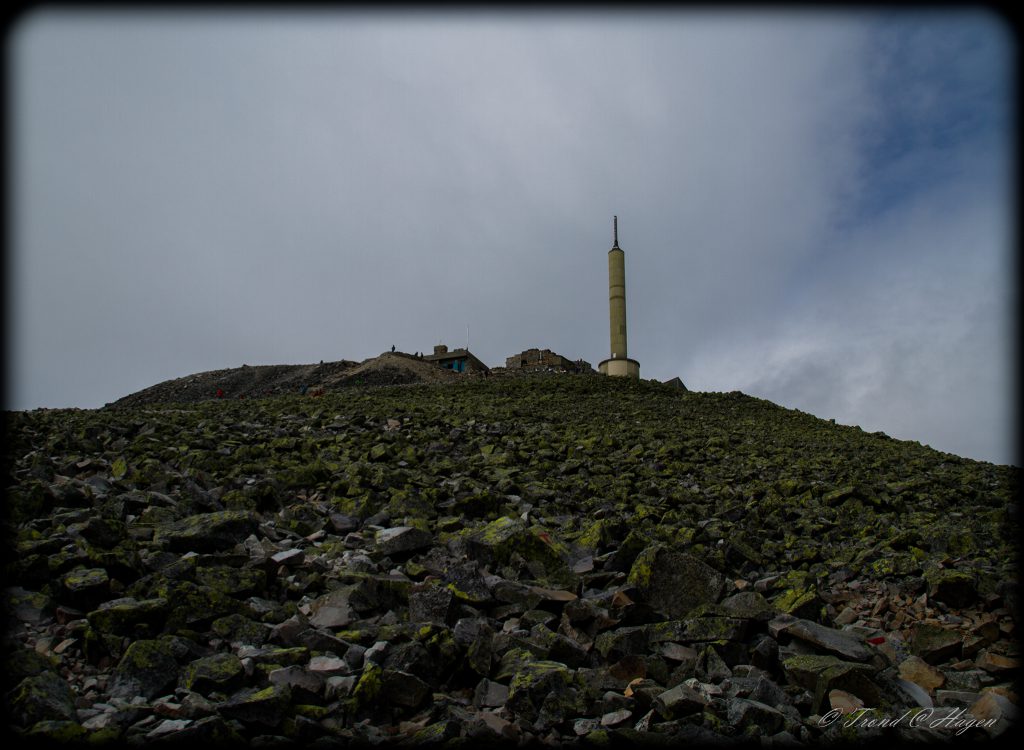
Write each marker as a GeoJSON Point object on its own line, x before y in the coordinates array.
{"type": "Point", "coordinates": [195, 191]}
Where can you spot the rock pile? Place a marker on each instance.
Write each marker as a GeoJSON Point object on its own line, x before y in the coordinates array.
{"type": "Point", "coordinates": [449, 567]}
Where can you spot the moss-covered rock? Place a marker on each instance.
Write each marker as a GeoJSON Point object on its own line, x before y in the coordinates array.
{"type": "Point", "coordinates": [220, 672]}
{"type": "Point", "coordinates": [42, 697]}
{"type": "Point", "coordinates": [147, 668]}
{"type": "Point", "coordinates": [674, 583]}
{"type": "Point", "coordinates": [207, 532]}
{"type": "Point", "coordinates": [129, 616]}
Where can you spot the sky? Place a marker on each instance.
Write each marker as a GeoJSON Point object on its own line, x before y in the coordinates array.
{"type": "Point", "coordinates": [815, 206]}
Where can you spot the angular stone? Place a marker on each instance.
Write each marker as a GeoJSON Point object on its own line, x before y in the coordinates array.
{"type": "Point", "coordinates": [614, 644]}
{"type": "Point", "coordinates": [711, 667]}
{"type": "Point", "coordinates": [839, 642]}
{"type": "Point", "coordinates": [86, 586]}
{"type": "Point", "coordinates": [918, 671]}
{"type": "Point", "coordinates": [166, 727]}
{"type": "Point", "coordinates": [42, 697]}
{"type": "Point", "coordinates": [857, 679]}
{"type": "Point", "coordinates": [844, 702]}
{"type": "Point", "coordinates": [997, 663]}
{"type": "Point", "coordinates": [432, 603]}
{"type": "Point", "coordinates": [490, 694]}
{"type": "Point", "coordinates": [124, 616]}
{"type": "Point", "coordinates": [673, 582]}
{"type": "Point", "coordinates": [304, 684]}
{"type": "Point", "coordinates": [265, 707]}
{"type": "Point", "coordinates": [749, 605]}
{"type": "Point", "coordinates": [678, 702]}
{"type": "Point", "coordinates": [803, 670]}
{"type": "Point", "coordinates": [504, 538]}
{"type": "Point", "coordinates": [208, 532]}
{"type": "Point", "coordinates": [147, 668]}
{"type": "Point", "coordinates": [404, 689]}
{"type": "Point", "coordinates": [402, 540]}
{"type": "Point", "coordinates": [997, 711]}
{"type": "Point", "coordinates": [955, 697]}
{"type": "Point", "coordinates": [467, 583]}
{"type": "Point", "coordinates": [333, 609]}
{"type": "Point", "coordinates": [934, 643]}
{"type": "Point", "coordinates": [240, 629]}
{"type": "Point", "coordinates": [531, 686]}
{"type": "Point", "coordinates": [743, 713]}
{"type": "Point", "coordinates": [614, 718]}
{"type": "Point", "coordinates": [221, 672]}
{"type": "Point", "coordinates": [291, 558]}
{"type": "Point", "coordinates": [952, 587]}
{"type": "Point", "coordinates": [328, 666]}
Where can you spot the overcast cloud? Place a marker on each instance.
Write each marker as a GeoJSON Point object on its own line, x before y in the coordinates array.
{"type": "Point", "coordinates": [815, 208]}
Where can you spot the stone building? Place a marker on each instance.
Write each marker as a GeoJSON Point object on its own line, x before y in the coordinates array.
{"type": "Point", "coordinates": [545, 359]}
{"type": "Point", "coordinates": [457, 360]}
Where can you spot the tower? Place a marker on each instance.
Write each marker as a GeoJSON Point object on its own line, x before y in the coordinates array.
{"type": "Point", "coordinates": [618, 363]}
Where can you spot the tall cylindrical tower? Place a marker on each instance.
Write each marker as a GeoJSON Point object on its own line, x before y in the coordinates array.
{"type": "Point", "coordinates": [617, 296]}
{"type": "Point", "coordinates": [618, 363]}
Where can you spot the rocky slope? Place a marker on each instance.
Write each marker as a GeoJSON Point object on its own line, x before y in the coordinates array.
{"type": "Point", "coordinates": [550, 561]}
{"type": "Point", "coordinates": [262, 381]}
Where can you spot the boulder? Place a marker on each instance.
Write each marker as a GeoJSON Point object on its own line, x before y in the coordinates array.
{"type": "Point", "coordinates": [207, 532]}
{"type": "Point", "coordinates": [147, 668]}
{"type": "Point", "coordinates": [678, 702]}
{"type": "Point", "coordinates": [221, 672]}
{"type": "Point", "coordinates": [934, 643]}
{"type": "Point", "coordinates": [674, 582]}
{"type": "Point", "coordinates": [402, 540]}
{"type": "Point", "coordinates": [841, 643]}
{"type": "Point", "coordinates": [266, 707]}
{"type": "Point", "coordinates": [42, 697]}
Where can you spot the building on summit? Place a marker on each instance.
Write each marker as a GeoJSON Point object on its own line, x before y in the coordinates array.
{"type": "Point", "coordinates": [532, 360]}
{"type": "Point", "coordinates": [457, 360]}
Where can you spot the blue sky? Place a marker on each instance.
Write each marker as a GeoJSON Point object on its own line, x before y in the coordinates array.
{"type": "Point", "coordinates": [815, 207]}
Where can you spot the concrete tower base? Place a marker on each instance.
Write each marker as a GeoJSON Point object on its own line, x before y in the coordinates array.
{"type": "Point", "coordinates": [623, 368]}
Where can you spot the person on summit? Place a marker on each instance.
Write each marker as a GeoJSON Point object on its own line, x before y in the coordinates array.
{"type": "Point", "coordinates": [392, 348]}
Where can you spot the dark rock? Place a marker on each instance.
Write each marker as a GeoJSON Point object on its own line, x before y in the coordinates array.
{"type": "Point", "coordinates": [207, 532]}
{"type": "Point", "coordinates": [240, 629]}
{"type": "Point", "coordinates": [953, 587]}
{"type": "Point", "coordinates": [305, 686]}
{"type": "Point", "coordinates": [467, 583]}
{"type": "Point", "coordinates": [710, 666]}
{"type": "Point", "coordinates": [744, 714]}
{"type": "Point", "coordinates": [404, 689]}
{"type": "Point", "coordinates": [266, 707]}
{"type": "Point", "coordinates": [147, 668]}
{"type": "Point", "coordinates": [220, 672]}
{"type": "Point", "coordinates": [534, 683]}
{"type": "Point", "coordinates": [24, 662]}
{"type": "Point", "coordinates": [505, 539]}
{"type": "Point", "coordinates": [614, 644]}
{"type": "Point", "coordinates": [839, 642]}
{"type": "Point", "coordinates": [857, 679]}
{"type": "Point", "coordinates": [128, 616]}
{"type": "Point", "coordinates": [678, 702]}
{"type": "Point", "coordinates": [674, 582]}
{"type": "Point", "coordinates": [934, 643]}
{"type": "Point", "coordinates": [749, 605]}
{"type": "Point", "coordinates": [42, 697]}
{"type": "Point", "coordinates": [86, 587]}
{"type": "Point", "coordinates": [490, 694]}
{"type": "Point", "coordinates": [400, 540]}
{"type": "Point", "coordinates": [432, 603]}
{"type": "Point", "coordinates": [333, 609]}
